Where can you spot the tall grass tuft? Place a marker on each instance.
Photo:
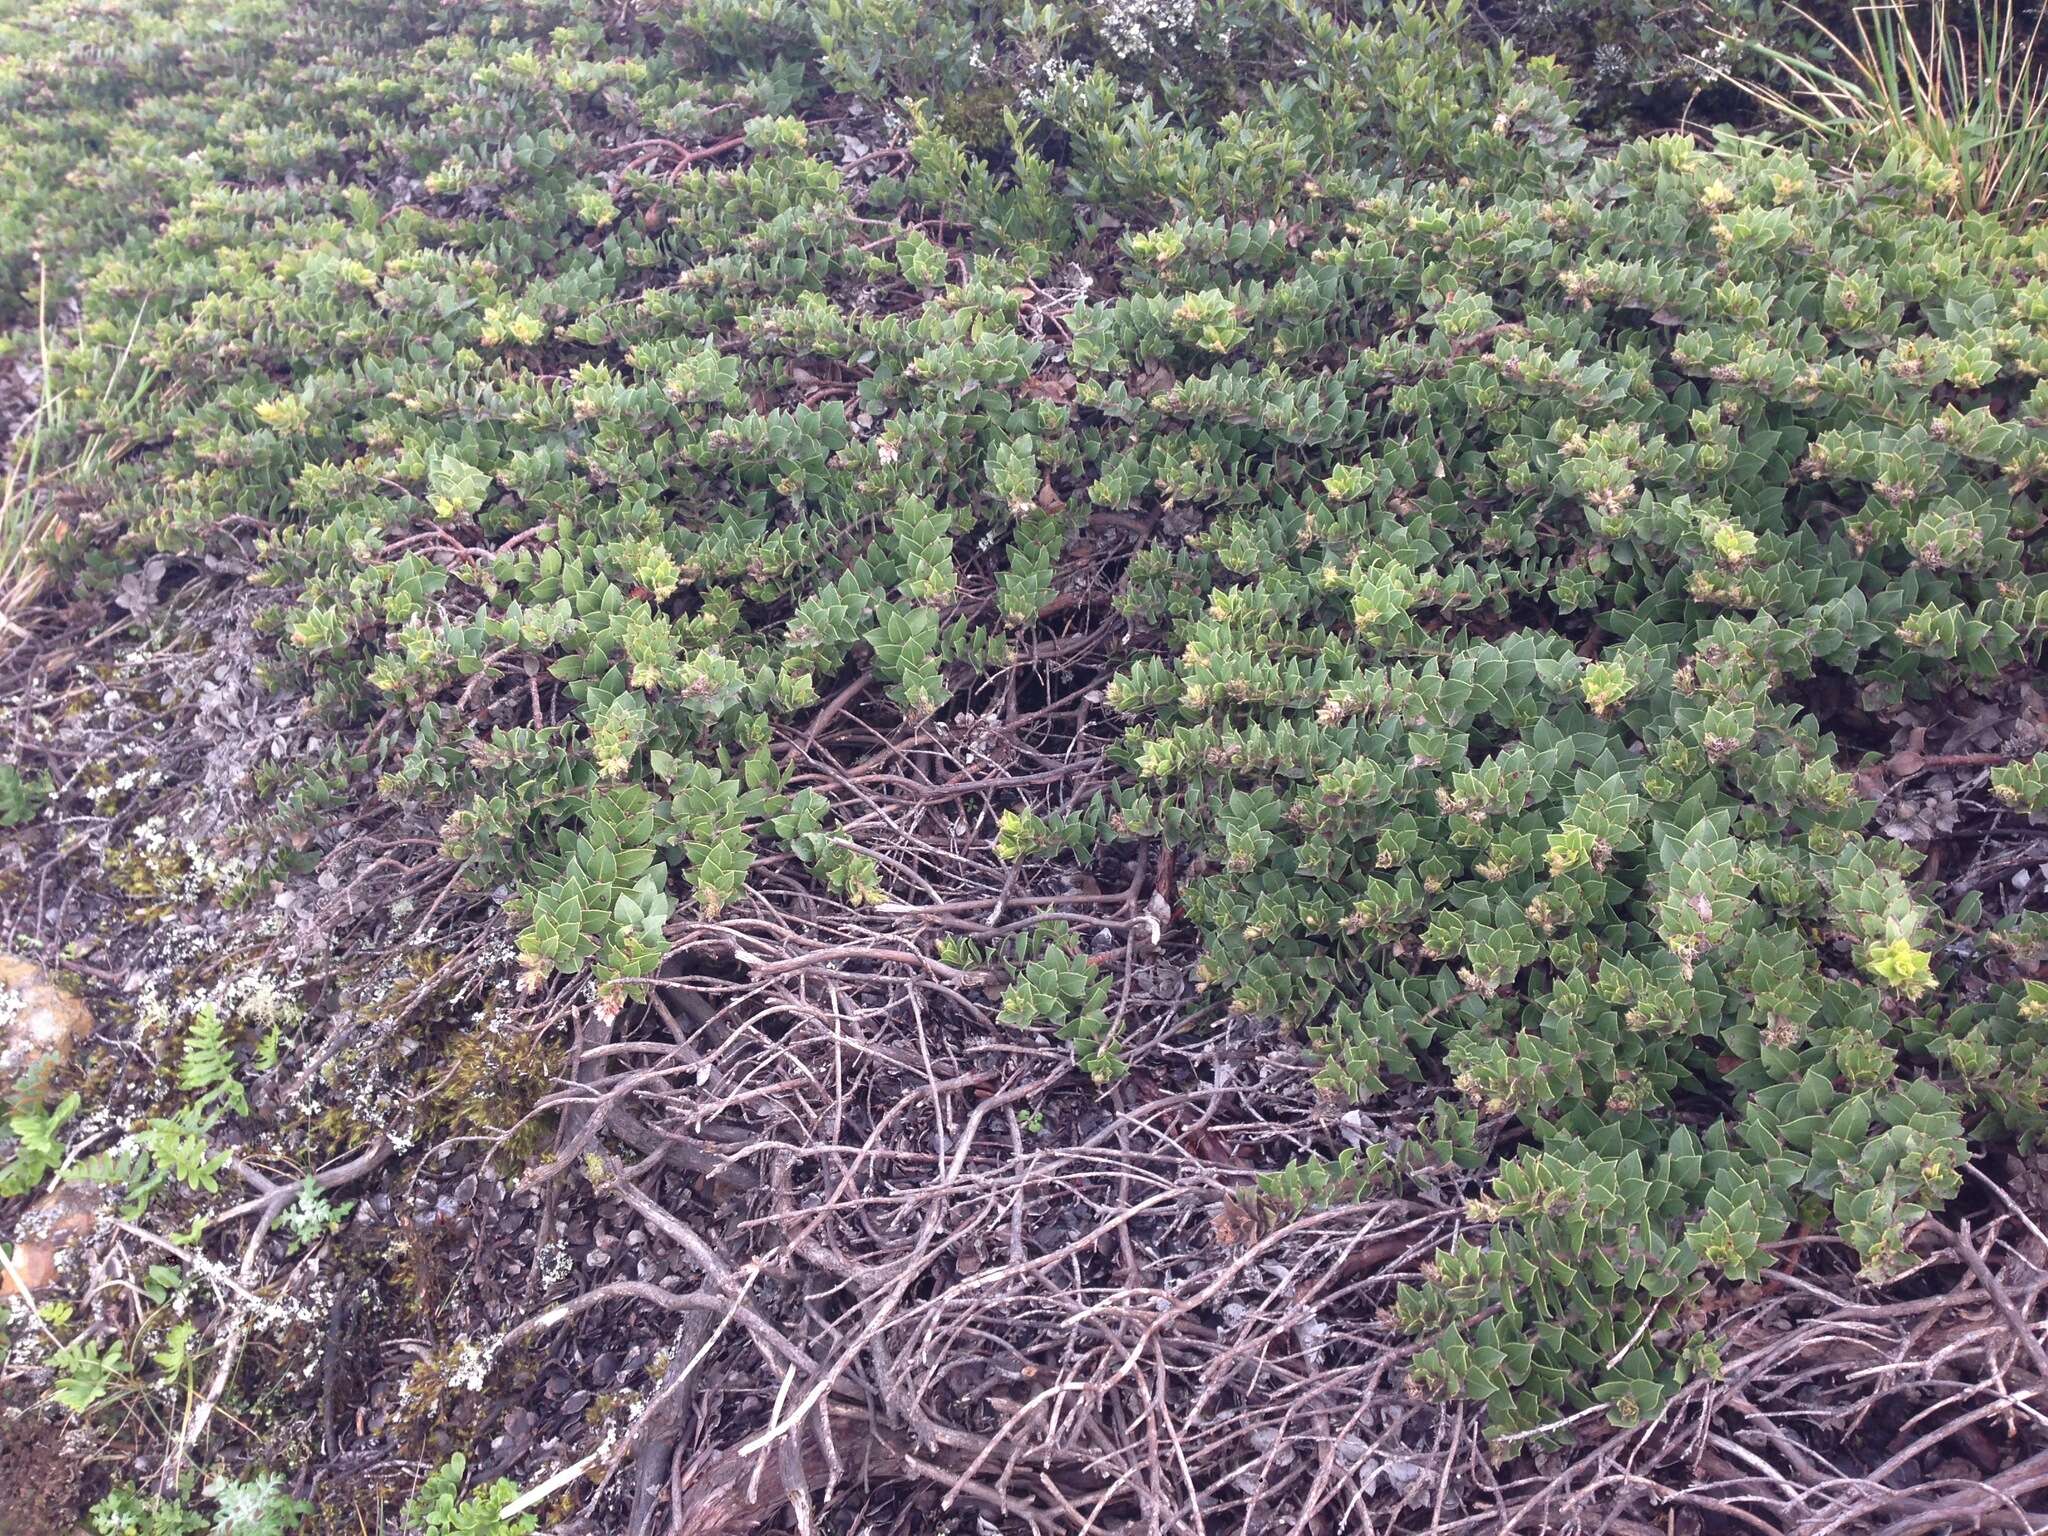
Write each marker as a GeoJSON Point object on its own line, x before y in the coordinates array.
{"type": "Point", "coordinates": [30, 511]}
{"type": "Point", "coordinates": [1963, 92]}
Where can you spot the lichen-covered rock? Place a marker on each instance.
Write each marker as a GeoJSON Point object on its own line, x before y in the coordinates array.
{"type": "Point", "coordinates": [39, 1020]}
{"type": "Point", "coordinates": [49, 1227]}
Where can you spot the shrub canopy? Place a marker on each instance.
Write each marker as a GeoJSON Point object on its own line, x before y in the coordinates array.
{"type": "Point", "coordinates": [1494, 532]}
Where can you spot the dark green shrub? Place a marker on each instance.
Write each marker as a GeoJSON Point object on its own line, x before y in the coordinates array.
{"type": "Point", "coordinates": [117, 110]}
{"type": "Point", "coordinates": [1630, 58]}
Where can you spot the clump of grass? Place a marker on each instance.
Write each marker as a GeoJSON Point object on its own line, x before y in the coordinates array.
{"type": "Point", "coordinates": [1960, 92]}
{"type": "Point", "coordinates": [30, 511]}
{"type": "Point", "coordinates": [27, 516]}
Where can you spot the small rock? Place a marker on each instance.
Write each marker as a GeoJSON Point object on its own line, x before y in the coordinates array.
{"type": "Point", "coordinates": [49, 1226]}
{"type": "Point", "coordinates": [39, 1021]}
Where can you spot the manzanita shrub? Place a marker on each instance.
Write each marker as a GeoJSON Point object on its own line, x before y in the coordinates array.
{"type": "Point", "coordinates": [1509, 510]}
